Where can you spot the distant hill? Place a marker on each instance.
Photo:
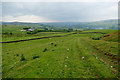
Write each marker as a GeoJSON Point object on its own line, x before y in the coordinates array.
{"type": "Point", "coordinates": [104, 24]}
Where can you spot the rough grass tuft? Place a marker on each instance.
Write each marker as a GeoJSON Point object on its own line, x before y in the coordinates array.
{"type": "Point", "coordinates": [34, 57]}
{"type": "Point", "coordinates": [45, 50]}
{"type": "Point", "coordinates": [22, 58]}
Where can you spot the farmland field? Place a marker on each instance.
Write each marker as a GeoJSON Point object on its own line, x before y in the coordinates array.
{"type": "Point", "coordinates": [12, 33]}
{"type": "Point", "coordinates": [81, 55]}
{"type": "Point", "coordinates": [73, 40]}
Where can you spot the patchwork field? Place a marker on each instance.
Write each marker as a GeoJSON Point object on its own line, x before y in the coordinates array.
{"type": "Point", "coordinates": [82, 55]}
{"type": "Point", "coordinates": [13, 32]}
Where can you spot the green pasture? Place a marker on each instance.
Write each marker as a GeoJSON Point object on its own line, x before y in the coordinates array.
{"type": "Point", "coordinates": [72, 56]}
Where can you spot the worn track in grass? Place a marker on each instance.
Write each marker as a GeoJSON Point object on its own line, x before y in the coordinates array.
{"type": "Point", "coordinates": [61, 61]}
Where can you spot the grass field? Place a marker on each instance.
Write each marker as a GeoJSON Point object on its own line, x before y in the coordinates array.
{"type": "Point", "coordinates": [14, 37]}
{"type": "Point", "coordinates": [72, 56]}
{"type": "Point", "coordinates": [12, 33]}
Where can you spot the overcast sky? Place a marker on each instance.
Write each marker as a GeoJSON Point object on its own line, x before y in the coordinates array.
{"type": "Point", "coordinates": [59, 11]}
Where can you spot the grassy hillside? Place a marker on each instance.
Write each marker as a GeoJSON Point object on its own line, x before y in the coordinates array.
{"type": "Point", "coordinates": [101, 30]}
{"type": "Point", "coordinates": [72, 56]}
{"type": "Point", "coordinates": [112, 36]}
{"type": "Point", "coordinates": [103, 24]}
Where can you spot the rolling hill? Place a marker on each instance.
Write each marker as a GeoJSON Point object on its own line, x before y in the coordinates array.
{"type": "Point", "coordinates": [104, 24]}
{"type": "Point", "coordinates": [112, 36]}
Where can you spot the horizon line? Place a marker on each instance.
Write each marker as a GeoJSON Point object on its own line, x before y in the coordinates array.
{"type": "Point", "coordinates": [59, 21]}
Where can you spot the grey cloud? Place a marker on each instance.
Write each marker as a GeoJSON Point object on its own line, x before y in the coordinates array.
{"type": "Point", "coordinates": [62, 11]}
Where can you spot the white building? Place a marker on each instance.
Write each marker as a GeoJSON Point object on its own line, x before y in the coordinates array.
{"type": "Point", "coordinates": [30, 29]}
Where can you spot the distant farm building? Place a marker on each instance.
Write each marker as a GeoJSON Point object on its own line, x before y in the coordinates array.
{"type": "Point", "coordinates": [30, 29]}
{"type": "Point", "coordinates": [27, 30]}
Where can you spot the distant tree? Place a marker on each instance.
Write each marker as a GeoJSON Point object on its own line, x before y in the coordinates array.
{"type": "Point", "coordinates": [45, 28]}
{"type": "Point", "coordinates": [70, 29]}
{"type": "Point", "coordinates": [25, 28]}
{"type": "Point", "coordinates": [11, 33]}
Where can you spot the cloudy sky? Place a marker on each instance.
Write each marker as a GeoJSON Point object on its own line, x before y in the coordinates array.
{"type": "Point", "coordinates": [59, 11]}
